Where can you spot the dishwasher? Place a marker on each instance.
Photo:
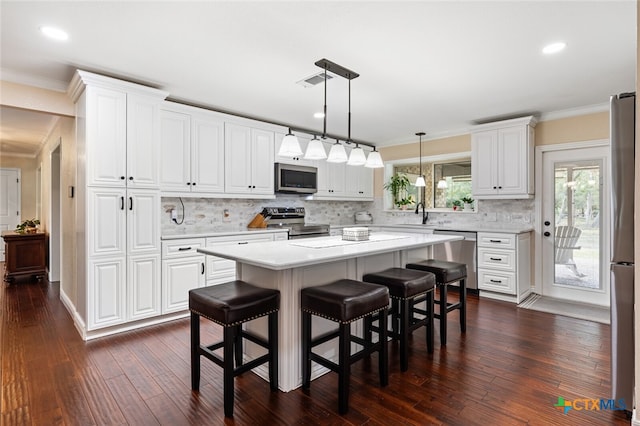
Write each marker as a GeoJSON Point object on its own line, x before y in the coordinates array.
{"type": "Point", "coordinates": [462, 251]}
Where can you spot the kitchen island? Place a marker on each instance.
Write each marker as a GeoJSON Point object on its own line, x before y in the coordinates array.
{"type": "Point", "coordinates": [291, 265]}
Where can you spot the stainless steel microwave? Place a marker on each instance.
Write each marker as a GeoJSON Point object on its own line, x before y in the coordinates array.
{"type": "Point", "coordinates": [293, 179]}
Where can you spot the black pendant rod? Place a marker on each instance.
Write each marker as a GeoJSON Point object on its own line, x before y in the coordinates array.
{"type": "Point", "coordinates": [324, 129]}
{"type": "Point", "coordinates": [349, 120]}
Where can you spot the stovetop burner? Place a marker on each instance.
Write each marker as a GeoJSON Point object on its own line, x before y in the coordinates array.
{"type": "Point", "coordinates": [292, 218]}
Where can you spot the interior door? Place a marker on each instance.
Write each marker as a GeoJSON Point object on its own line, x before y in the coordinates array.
{"type": "Point", "coordinates": [9, 202]}
{"type": "Point", "coordinates": [574, 215]}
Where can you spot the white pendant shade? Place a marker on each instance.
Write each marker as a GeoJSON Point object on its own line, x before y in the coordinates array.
{"type": "Point", "coordinates": [420, 181]}
{"type": "Point", "coordinates": [442, 184]}
{"type": "Point", "coordinates": [374, 161]}
{"type": "Point", "coordinates": [357, 157]}
{"type": "Point", "coordinates": [290, 147]}
{"type": "Point", "coordinates": [337, 154]}
{"type": "Point", "coordinates": [315, 150]}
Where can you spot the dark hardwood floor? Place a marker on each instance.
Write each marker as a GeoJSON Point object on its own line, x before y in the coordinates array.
{"type": "Point", "coordinates": [509, 368]}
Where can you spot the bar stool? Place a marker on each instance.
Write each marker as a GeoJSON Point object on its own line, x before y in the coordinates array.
{"type": "Point", "coordinates": [230, 305]}
{"type": "Point", "coordinates": [344, 301]}
{"type": "Point", "coordinates": [446, 273]}
{"type": "Point", "coordinates": [405, 285]}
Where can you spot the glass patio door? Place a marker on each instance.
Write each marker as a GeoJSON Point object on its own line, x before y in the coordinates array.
{"type": "Point", "coordinates": [575, 261]}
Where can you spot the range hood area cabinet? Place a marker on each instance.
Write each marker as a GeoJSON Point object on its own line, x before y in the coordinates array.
{"type": "Point", "coordinates": [502, 155]}
{"type": "Point", "coordinates": [117, 203]}
{"type": "Point", "coordinates": [192, 150]}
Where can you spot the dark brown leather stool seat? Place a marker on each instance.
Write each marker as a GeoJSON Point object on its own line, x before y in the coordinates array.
{"type": "Point", "coordinates": [229, 305]}
{"type": "Point", "coordinates": [404, 286]}
{"type": "Point", "coordinates": [344, 301]}
{"type": "Point", "coordinates": [446, 273]}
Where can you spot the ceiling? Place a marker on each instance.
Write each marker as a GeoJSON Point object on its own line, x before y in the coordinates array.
{"type": "Point", "coordinates": [431, 66]}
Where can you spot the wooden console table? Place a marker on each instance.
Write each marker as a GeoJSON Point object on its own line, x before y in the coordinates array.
{"type": "Point", "coordinates": [25, 254]}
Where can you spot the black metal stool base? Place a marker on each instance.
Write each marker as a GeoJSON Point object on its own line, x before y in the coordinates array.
{"type": "Point", "coordinates": [231, 305]}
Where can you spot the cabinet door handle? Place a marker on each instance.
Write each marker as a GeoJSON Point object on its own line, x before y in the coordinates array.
{"type": "Point", "coordinates": [184, 248]}
{"type": "Point", "coordinates": [496, 259]}
{"type": "Point", "coordinates": [495, 241]}
{"type": "Point", "coordinates": [121, 177]}
{"type": "Point", "coordinates": [121, 203]}
{"type": "Point", "coordinates": [243, 242]}
{"type": "Point", "coordinates": [188, 183]}
{"type": "Point", "coordinates": [496, 281]}
{"type": "Point", "coordinates": [130, 203]}
{"type": "Point", "coordinates": [193, 183]}
{"type": "Point", "coordinates": [130, 177]}
{"type": "Point", "coordinates": [202, 264]}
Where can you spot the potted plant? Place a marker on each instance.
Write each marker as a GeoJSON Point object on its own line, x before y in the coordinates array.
{"type": "Point", "coordinates": [28, 226]}
{"type": "Point", "coordinates": [404, 203]}
{"type": "Point", "coordinates": [456, 204]}
{"type": "Point", "coordinates": [398, 185]}
{"type": "Point", "coordinates": [468, 203]}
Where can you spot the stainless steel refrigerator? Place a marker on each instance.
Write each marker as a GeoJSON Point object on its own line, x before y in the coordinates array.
{"type": "Point", "coordinates": [622, 116]}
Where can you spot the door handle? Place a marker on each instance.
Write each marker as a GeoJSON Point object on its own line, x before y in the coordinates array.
{"type": "Point", "coordinates": [130, 203]}
{"type": "Point", "coordinates": [202, 264]}
{"type": "Point", "coordinates": [547, 223]}
{"type": "Point", "coordinates": [121, 203]}
{"type": "Point", "coordinates": [547, 234]}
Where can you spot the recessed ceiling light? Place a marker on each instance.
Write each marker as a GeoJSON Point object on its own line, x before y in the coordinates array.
{"type": "Point", "coordinates": [552, 48]}
{"type": "Point", "coordinates": [318, 115]}
{"type": "Point", "coordinates": [54, 33]}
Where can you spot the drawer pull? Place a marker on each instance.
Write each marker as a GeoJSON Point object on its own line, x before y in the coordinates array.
{"type": "Point", "coordinates": [495, 241]}
{"type": "Point", "coordinates": [184, 248]}
{"type": "Point", "coordinates": [243, 242]}
{"type": "Point", "coordinates": [497, 259]}
{"type": "Point", "coordinates": [496, 281]}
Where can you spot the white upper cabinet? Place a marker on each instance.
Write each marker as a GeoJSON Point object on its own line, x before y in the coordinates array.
{"type": "Point", "coordinates": [192, 150]}
{"type": "Point", "coordinates": [249, 157]}
{"type": "Point", "coordinates": [143, 151]}
{"type": "Point", "coordinates": [118, 127]}
{"type": "Point", "coordinates": [175, 151]}
{"type": "Point", "coordinates": [340, 181]}
{"type": "Point", "coordinates": [207, 153]}
{"type": "Point", "coordinates": [106, 137]}
{"type": "Point", "coordinates": [502, 159]}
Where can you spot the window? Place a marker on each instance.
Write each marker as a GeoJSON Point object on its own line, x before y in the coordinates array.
{"type": "Point", "coordinates": [447, 177]}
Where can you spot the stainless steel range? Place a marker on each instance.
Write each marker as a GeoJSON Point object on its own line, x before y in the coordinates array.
{"type": "Point", "coordinates": [292, 218]}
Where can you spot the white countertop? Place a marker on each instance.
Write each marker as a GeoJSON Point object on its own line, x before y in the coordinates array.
{"type": "Point", "coordinates": [217, 232]}
{"type": "Point", "coordinates": [509, 228]}
{"type": "Point", "coordinates": [278, 255]}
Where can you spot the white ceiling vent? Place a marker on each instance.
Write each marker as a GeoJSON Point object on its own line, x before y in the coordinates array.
{"type": "Point", "coordinates": [314, 79]}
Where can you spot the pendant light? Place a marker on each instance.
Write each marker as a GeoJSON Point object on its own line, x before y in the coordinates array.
{"type": "Point", "coordinates": [290, 146]}
{"type": "Point", "coordinates": [357, 157]}
{"type": "Point", "coordinates": [420, 180]}
{"type": "Point", "coordinates": [315, 150]}
{"type": "Point", "coordinates": [337, 154]}
{"type": "Point", "coordinates": [374, 160]}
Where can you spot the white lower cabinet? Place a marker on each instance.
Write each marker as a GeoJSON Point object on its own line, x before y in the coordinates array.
{"type": "Point", "coordinates": [107, 295]}
{"type": "Point", "coordinates": [178, 277]}
{"type": "Point", "coordinates": [221, 270]}
{"type": "Point", "coordinates": [504, 265]}
{"type": "Point", "coordinates": [143, 287]}
{"type": "Point", "coordinates": [183, 269]}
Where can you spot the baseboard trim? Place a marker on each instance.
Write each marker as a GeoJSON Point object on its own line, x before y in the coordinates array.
{"type": "Point", "coordinates": [78, 323]}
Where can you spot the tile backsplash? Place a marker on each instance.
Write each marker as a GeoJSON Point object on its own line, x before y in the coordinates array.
{"type": "Point", "coordinates": [206, 214]}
